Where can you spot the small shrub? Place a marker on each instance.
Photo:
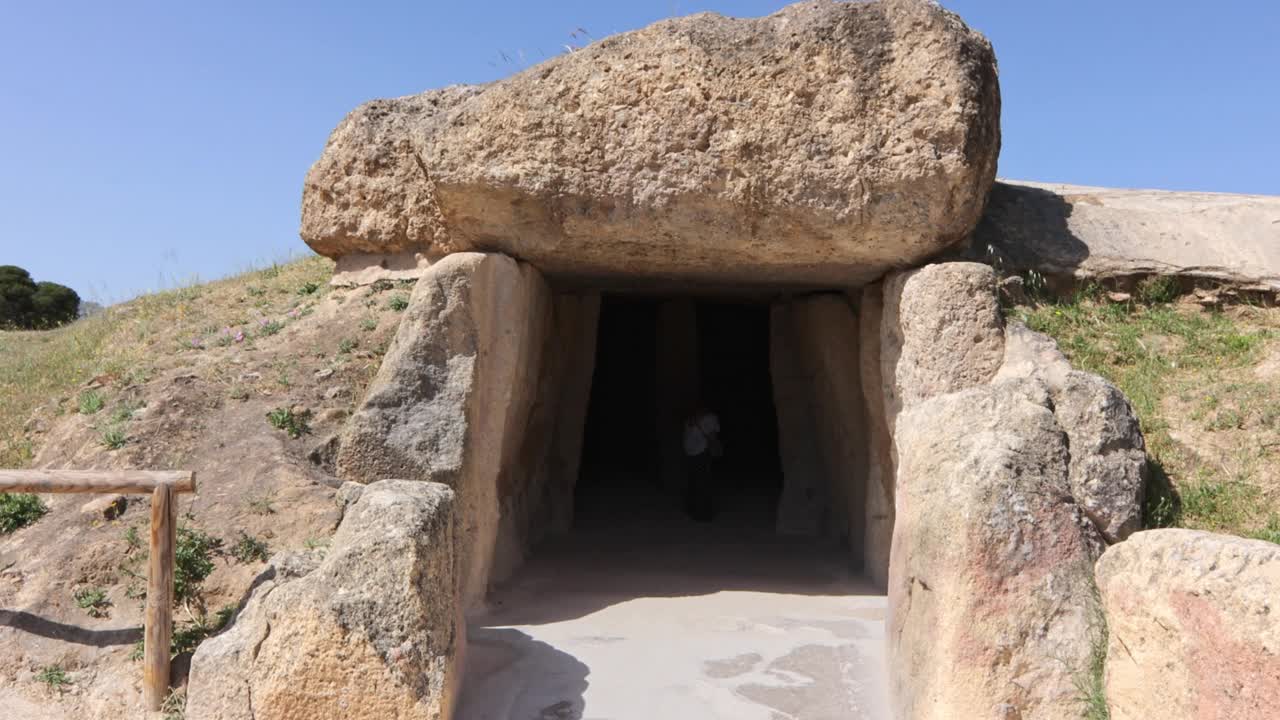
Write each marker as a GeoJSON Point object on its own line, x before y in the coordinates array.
{"type": "Point", "coordinates": [285, 419]}
{"type": "Point", "coordinates": [1157, 289]}
{"type": "Point", "coordinates": [193, 561]}
{"type": "Point", "coordinates": [91, 401]}
{"type": "Point", "coordinates": [248, 549]}
{"type": "Point", "coordinates": [308, 288]}
{"type": "Point", "coordinates": [256, 290]}
{"type": "Point", "coordinates": [346, 345]}
{"type": "Point", "coordinates": [54, 676]}
{"type": "Point", "coordinates": [132, 541]}
{"type": "Point", "coordinates": [114, 438]}
{"type": "Point", "coordinates": [398, 303]}
{"type": "Point", "coordinates": [368, 325]}
{"type": "Point", "coordinates": [240, 392]}
{"type": "Point", "coordinates": [269, 327]}
{"type": "Point", "coordinates": [314, 543]}
{"type": "Point", "coordinates": [93, 600]}
{"type": "Point", "coordinates": [20, 510]}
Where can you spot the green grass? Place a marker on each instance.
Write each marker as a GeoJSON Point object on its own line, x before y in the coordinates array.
{"type": "Point", "coordinates": [398, 302]}
{"type": "Point", "coordinates": [91, 402]}
{"type": "Point", "coordinates": [18, 510]}
{"type": "Point", "coordinates": [114, 438]}
{"type": "Point", "coordinates": [1155, 353]}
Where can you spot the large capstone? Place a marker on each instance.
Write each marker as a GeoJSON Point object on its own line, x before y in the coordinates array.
{"type": "Point", "coordinates": [819, 146]}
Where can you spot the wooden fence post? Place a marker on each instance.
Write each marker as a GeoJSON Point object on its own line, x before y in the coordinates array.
{"type": "Point", "coordinates": [158, 632]}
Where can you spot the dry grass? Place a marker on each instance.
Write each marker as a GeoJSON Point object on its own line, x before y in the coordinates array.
{"type": "Point", "coordinates": [128, 342]}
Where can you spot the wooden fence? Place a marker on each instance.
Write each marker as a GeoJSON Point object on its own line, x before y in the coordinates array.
{"type": "Point", "coordinates": [162, 486]}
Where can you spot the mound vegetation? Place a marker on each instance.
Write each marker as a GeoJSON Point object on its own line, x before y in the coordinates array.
{"type": "Point", "coordinates": [1205, 382]}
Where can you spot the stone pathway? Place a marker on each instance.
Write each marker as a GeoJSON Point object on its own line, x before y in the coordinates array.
{"type": "Point", "coordinates": [652, 617]}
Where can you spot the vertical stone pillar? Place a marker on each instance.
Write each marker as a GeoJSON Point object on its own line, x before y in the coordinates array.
{"type": "Point", "coordinates": [678, 386]}
{"type": "Point", "coordinates": [879, 507]}
{"type": "Point", "coordinates": [805, 503]}
{"type": "Point", "coordinates": [577, 323]}
{"type": "Point", "coordinates": [451, 402]}
{"type": "Point", "coordinates": [822, 431]}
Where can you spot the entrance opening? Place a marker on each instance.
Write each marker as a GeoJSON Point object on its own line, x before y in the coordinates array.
{"type": "Point", "coordinates": [658, 362]}
{"type": "Point", "coordinates": [644, 609]}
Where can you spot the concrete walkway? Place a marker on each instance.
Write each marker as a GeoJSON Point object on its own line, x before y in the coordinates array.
{"type": "Point", "coordinates": [645, 616]}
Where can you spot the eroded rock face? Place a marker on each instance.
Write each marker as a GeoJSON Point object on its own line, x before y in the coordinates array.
{"type": "Point", "coordinates": [1193, 626]}
{"type": "Point", "coordinates": [990, 585]}
{"type": "Point", "coordinates": [371, 631]}
{"type": "Point", "coordinates": [821, 145]}
{"type": "Point", "coordinates": [451, 402]}
{"type": "Point", "coordinates": [1108, 454]}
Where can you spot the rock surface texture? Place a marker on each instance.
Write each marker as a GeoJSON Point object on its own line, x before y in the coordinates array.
{"type": "Point", "coordinates": [942, 331]}
{"type": "Point", "coordinates": [451, 402]}
{"type": "Point", "coordinates": [1011, 472]}
{"type": "Point", "coordinates": [1193, 626]}
{"type": "Point", "coordinates": [990, 586]}
{"type": "Point", "coordinates": [371, 631]}
{"type": "Point", "coordinates": [1090, 232]}
{"type": "Point", "coordinates": [1108, 453]}
{"type": "Point", "coordinates": [821, 145]}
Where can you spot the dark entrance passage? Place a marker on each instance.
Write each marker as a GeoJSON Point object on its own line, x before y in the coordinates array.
{"type": "Point", "coordinates": [657, 361]}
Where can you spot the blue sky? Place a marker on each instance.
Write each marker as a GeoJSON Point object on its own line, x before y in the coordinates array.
{"type": "Point", "coordinates": [148, 144]}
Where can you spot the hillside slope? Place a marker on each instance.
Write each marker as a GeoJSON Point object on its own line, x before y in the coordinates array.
{"type": "Point", "coordinates": [179, 380]}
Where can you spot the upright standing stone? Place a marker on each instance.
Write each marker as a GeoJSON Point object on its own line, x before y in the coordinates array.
{"type": "Point", "coordinates": [452, 398]}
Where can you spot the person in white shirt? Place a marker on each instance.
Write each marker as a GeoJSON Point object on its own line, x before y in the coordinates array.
{"type": "Point", "coordinates": [701, 448]}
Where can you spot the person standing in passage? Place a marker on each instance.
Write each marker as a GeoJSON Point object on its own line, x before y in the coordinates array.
{"type": "Point", "coordinates": [701, 448]}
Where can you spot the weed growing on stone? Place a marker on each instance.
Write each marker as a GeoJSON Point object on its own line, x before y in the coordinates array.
{"type": "Point", "coordinates": [18, 510]}
{"type": "Point", "coordinates": [92, 600]}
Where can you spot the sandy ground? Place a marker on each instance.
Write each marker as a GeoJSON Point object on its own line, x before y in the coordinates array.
{"type": "Point", "coordinates": [641, 614]}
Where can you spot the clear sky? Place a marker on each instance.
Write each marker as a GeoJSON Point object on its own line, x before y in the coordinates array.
{"type": "Point", "coordinates": [148, 144]}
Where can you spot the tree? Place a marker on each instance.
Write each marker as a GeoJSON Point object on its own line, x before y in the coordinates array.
{"type": "Point", "coordinates": [53, 305]}
{"type": "Point", "coordinates": [16, 290]}
{"type": "Point", "coordinates": [24, 303]}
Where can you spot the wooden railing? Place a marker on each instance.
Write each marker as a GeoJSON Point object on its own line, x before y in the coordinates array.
{"type": "Point", "coordinates": [162, 486]}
